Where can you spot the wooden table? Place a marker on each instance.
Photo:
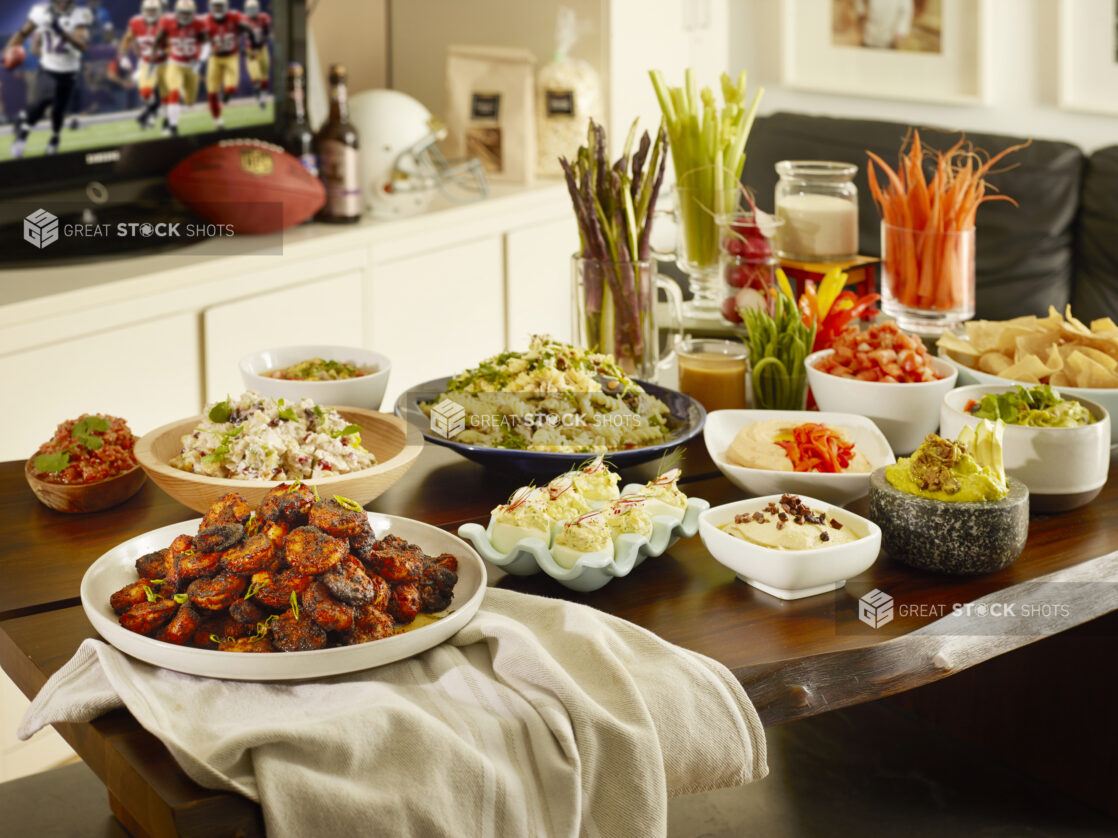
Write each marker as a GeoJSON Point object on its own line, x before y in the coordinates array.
{"type": "Point", "coordinates": [796, 658]}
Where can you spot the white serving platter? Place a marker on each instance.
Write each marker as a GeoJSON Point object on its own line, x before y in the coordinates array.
{"type": "Point", "coordinates": [116, 568]}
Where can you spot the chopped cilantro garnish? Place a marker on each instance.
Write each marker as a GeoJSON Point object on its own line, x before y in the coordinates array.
{"type": "Point", "coordinates": [52, 463]}
{"type": "Point", "coordinates": [221, 412]}
{"type": "Point", "coordinates": [346, 431]}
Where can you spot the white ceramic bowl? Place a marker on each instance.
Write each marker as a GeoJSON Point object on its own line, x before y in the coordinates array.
{"type": "Point", "coordinates": [1107, 397]}
{"type": "Point", "coordinates": [723, 425]}
{"type": "Point", "coordinates": [366, 392]}
{"type": "Point", "coordinates": [790, 574]}
{"type": "Point", "coordinates": [905, 413]}
{"type": "Point", "coordinates": [1064, 468]}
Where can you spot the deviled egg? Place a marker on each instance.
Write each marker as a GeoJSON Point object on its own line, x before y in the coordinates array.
{"type": "Point", "coordinates": [628, 515]}
{"type": "Point", "coordinates": [597, 483]}
{"type": "Point", "coordinates": [524, 516]}
{"type": "Point", "coordinates": [564, 500]}
{"type": "Point", "coordinates": [663, 497]}
{"type": "Point", "coordinates": [587, 536]}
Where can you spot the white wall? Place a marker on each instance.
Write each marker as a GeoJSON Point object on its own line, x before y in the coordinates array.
{"type": "Point", "coordinates": [1023, 56]}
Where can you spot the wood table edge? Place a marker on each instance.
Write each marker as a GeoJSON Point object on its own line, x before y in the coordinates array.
{"type": "Point", "coordinates": [784, 691]}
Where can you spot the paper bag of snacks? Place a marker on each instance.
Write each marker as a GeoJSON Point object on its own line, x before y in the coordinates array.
{"type": "Point", "coordinates": [490, 109]}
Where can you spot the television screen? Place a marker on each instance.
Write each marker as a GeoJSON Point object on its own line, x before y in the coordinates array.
{"type": "Point", "coordinates": [83, 75]}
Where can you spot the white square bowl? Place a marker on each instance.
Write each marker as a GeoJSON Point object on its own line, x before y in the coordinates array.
{"type": "Point", "coordinates": [723, 425]}
{"type": "Point", "coordinates": [790, 574]}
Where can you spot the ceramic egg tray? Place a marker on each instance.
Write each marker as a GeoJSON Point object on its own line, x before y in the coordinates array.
{"type": "Point", "coordinates": [531, 555]}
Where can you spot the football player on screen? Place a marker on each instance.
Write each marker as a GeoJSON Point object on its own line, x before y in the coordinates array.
{"type": "Point", "coordinates": [223, 70]}
{"type": "Point", "coordinates": [185, 36]}
{"type": "Point", "coordinates": [257, 59]}
{"type": "Point", "coordinates": [62, 28]}
{"type": "Point", "coordinates": [142, 31]}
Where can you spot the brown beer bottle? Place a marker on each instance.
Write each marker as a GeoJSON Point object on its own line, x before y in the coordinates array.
{"type": "Point", "coordinates": [298, 141]}
{"type": "Point", "coordinates": [336, 146]}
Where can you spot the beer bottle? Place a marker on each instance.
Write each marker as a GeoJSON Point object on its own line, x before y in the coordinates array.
{"type": "Point", "coordinates": [336, 146]}
{"type": "Point", "coordinates": [298, 141]}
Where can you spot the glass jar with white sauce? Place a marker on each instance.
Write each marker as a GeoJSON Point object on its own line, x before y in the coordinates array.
{"type": "Point", "coordinates": [818, 202]}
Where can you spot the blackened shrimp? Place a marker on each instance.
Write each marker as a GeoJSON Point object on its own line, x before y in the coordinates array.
{"type": "Point", "coordinates": [348, 581]}
{"type": "Point", "coordinates": [182, 626]}
{"type": "Point", "coordinates": [338, 518]}
{"type": "Point", "coordinates": [275, 589]}
{"type": "Point", "coordinates": [312, 551]}
{"type": "Point", "coordinates": [296, 634]}
{"type": "Point", "coordinates": [404, 603]}
{"type": "Point", "coordinates": [251, 555]}
{"type": "Point", "coordinates": [289, 502]}
{"type": "Point", "coordinates": [153, 565]}
{"type": "Point", "coordinates": [145, 617]}
{"type": "Point", "coordinates": [320, 605]}
{"type": "Point", "coordinates": [228, 509]}
{"type": "Point", "coordinates": [218, 538]}
{"type": "Point", "coordinates": [218, 593]}
{"type": "Point", "coordinates": [369, 625]}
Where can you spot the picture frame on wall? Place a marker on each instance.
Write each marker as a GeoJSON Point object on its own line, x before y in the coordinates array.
{"type": "Point", "coordinates": [910, 50]}
{"type": "Point", "coordinates": [1088, 55]}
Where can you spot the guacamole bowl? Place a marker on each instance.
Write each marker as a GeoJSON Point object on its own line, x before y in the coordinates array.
{"type": "Point", "coordinates": [957, 537]}
{"type": "Point", "coordinates": [1064, 468]}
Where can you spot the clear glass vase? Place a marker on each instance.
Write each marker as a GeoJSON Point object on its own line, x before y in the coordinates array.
{"type": "Point", "coordinates": [615, 312]}
{"type": "Point", "coordinates": [927, 278]}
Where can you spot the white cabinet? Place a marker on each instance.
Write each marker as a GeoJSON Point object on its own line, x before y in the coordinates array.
{"type": "Point", "coordinates": [147, 373]}
{"type": "Point", "coordinates": [329, 311]}
{"type": "Point", "coordinates": [538, 272]}
{"type": "Point", "coordinates": [437, 313]}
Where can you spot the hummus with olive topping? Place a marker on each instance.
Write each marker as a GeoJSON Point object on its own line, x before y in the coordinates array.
{"type": "Point", "coordinates": [755, 446]}
{"type": "Point", "coordinates": [790, 525]}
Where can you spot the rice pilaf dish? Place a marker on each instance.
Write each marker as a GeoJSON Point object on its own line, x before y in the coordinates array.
{"type": "Point", "coordinates": [548, 399]}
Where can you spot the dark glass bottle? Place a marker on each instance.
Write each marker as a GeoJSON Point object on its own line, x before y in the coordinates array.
{"type": "Point", "coordinates": [336, 146]}
{"type": "Point", "coordinates": [298, 140]}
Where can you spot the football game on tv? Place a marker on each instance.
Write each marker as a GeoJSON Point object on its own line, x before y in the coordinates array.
{"type": "Point", "coordinates": [79, 75]}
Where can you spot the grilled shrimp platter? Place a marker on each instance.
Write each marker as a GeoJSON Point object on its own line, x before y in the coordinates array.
{"type": "Point", "coordinates": [331, 587]}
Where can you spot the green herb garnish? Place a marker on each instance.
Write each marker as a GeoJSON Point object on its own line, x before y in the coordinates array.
{"type": "Point", "coordinates": [347, 503]}
{"type": "Point", "coordinates": [287, 413]}
{"type": "Point", "coordinates": [346, 431]}
{"type": "Point", "coordinates": [52, 463]}
{"type": "Point", "coordinates": [254, 588]}
{"type": "Point", "coordinates": [181, 598]}
{"type": "Point", "coordinates": [220, 640]}
{"type": "Point", "coordinates": [262, 628]}
{"type": "Point", "coordinates": [295, 606]}
{"type": "Point", "coordinates": [150, 594]}
{"type": "Point", "coordinates": [221, 412]}
{"type": "Point", "coordinates": [218, 454]}
{"type": "Point", "coordinates": [83, 431]}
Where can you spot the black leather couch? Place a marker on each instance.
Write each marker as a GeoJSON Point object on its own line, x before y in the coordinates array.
{"type": "Point", "coordinates": [1059, 245]}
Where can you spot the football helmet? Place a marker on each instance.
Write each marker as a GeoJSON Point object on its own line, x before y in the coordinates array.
{"type": "Point", "coordinates": [151, 10]}
{"type": "Point", "coordinates": [219, 9]}
{"type": "Point", "coordinates": [401, 164]}
{"type": "Point", "coordinates": [184, 11]}
{"type": "Point", "coordinates": [252, 7]}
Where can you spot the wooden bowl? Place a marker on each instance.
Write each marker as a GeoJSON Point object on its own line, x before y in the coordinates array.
{"type": "Point", "coordinates": [391, 440]}
{"type": "Point", "coordinates": [86, 497]}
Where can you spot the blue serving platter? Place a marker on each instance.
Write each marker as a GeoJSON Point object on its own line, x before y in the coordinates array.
{"type": "Point", "coordinates": [687, 420]}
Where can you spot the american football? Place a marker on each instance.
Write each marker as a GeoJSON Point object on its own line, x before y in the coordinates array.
{"type": "Point", "coordinates": [14, 56]}
{"type": "Point", "coordinates": [254, 186]}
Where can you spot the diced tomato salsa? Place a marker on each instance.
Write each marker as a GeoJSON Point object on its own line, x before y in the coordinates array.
{"type": "Point", "coordinates": [880, 353]}
{"type": "Point", "coordinates": [114, 456]}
